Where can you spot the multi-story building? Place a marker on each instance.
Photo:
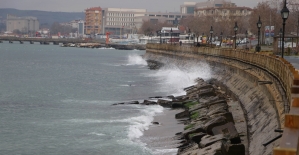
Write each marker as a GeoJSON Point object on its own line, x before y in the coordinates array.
{"type": "Point", "coordinates": [119, 21]}
{"type": "Point", "coordinates": [93, 20]}
{"type": "Point", "coordinates": [188, 8]}
{"type": "Point", "coordinates": [172, 18]}
{"type": "Point", "coordinates": [221, 9]}
{"type": "Point", "coordinates": [23, 24]}
{"type": "Point", "coordinates": [81, 29]}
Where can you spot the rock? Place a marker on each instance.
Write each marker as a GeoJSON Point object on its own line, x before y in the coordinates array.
{"type": "Point", "coordinates": [195, 129]}
{"type": "Point", "coordinates": [132, 102]}
{"type": "Point", "coordinates": [229, 131]}
{"type": "Point", "coordinates": [185, 150]}
{"type": "Point", "coordinates": [196, 137]}
{"type": "Point", "coordinates": [184, 114]}
{"type": "Point", "coordinates": [210, 124]}
{"type": "Point", "coordinates": [209, 140]}
{"type": "Point", "coordinates": [233, 149]}
{"type": "Point", "coordinates": [156, 123]}
{"type": "Point", "coordinates": [164, 103]}
{"type": "Point", "coordinates": [228, 116]}
{"type": "Point", "coordinates": [146, 102]}
{"type": "Point", "coordinates": [214, 149]}
{"type": "Point", "coordinates": [177, 105]}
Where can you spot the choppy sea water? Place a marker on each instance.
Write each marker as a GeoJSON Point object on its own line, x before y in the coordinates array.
{"type": "Point", "coordinates": [57, 100]}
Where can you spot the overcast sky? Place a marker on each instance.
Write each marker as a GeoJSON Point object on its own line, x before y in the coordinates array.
{"type": "Point", "coordinates": [81, 5]}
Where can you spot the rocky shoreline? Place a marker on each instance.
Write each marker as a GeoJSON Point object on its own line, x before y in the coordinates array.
{"type": "Point", "coordinates": [209, 125]}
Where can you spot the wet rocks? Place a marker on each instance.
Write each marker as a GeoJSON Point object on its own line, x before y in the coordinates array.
{"type": "Point", "coordinates": [210, 129]}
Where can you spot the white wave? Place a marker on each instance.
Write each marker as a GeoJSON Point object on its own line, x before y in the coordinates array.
{"type": "Point", "coordinates": [135, 59]}
{"type": "Point", "coordinates": [165, 151]}
{"type": "Point", "coordinates": [110, 48]}
{"type": "Point", "coordinates": [98, 134]}
{"type": "Point", "coordinates": [141, 123]}
{"type": "Point", "coordinates": [174, 79]}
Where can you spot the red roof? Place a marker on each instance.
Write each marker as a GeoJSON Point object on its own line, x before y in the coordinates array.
{"type": "Point", "coordinates": [94, 9]}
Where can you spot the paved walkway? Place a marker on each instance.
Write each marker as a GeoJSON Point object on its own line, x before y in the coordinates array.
{"type": "Point", "coordinates": [294, 60]}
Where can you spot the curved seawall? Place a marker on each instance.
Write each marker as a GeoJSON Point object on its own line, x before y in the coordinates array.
{"type": "Point", "coordinates": [266, 87]}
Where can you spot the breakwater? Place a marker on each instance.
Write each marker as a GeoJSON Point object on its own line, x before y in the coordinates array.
{"type": "Point", "coordinates": [266, 86]}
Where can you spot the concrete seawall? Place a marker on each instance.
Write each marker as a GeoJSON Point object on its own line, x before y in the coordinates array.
{"type": "Point", "coordinates": [264, 85]}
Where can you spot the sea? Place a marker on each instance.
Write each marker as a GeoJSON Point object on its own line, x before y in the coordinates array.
{"type": "Point", "coordinates": [58, 100]}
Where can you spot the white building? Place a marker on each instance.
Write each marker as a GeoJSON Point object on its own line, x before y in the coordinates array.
{"type": "Point", "coordinates": [188, 8]}
{"type": "Point", "coordinates": [119, 21]}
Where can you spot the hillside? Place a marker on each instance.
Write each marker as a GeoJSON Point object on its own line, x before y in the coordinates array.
{"type": "Point", "coordinates": [45, 18]}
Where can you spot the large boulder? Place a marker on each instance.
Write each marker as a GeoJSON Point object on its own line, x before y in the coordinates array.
{"type": "Point", "coordinates": [209, 140]}
{"type": "Point", "coordinates": [214, 149]}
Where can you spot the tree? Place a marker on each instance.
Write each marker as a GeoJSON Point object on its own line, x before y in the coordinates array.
{"type": "Point", "coordinates": [150, 27]}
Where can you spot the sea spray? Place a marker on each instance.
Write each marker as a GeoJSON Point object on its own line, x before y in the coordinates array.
{"type": "Point", "coordinates": [135, 59]}
{"type": "Point", "coordinates": [175, 78]}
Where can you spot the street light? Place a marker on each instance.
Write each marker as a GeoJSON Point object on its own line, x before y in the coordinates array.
{"type": "Point", "coordinates": [236, 29]}
{"type": "Point", "coordinates": [280, 34]}
{"type": "Point", "coordinates": [171, 36]}
{"type": "Point", "coordinates": [246, 34]}
{"type": "Point", "coordinates": [284, 14]}
{"type": "Point", "coordinates": [221, 34]}
{"type": "Point", "coordinates": [159, 33]}
{"type": "Point", "coordinates": [211, 32]}
{"type": "Point", "coordinates": [189, 33]}
{"type": "Point", "coordinates": [259, 25]}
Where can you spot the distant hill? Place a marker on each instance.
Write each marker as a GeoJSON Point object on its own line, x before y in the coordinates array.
{"type": "Point", "coordinates": [46, 18]}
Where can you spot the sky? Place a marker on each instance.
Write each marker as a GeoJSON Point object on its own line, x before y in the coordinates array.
{"type": "Point", "coordinates": [81, 5]}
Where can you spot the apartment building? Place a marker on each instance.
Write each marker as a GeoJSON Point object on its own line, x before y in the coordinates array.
{"type": "Point", "coordinates": [172, 18]}
{"type": "Point", "coordinates": [93, 21]}
{"type": "Point", "coordinates": [120, 20]}
{"type": "Point", "coordinates": [23, 24]}
{"type": "Point", "coordinates": [221, 9]}
{"type": "Point", "coordinates": [188, 8]}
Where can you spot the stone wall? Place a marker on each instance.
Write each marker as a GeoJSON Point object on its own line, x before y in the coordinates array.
{"type": "Point", "coordinates": [263, 84]}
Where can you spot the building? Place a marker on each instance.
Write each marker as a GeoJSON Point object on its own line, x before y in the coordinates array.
{"type": "Point", "coordinates": [23, 24]}
{"type": "Point", "coordinates": [119, 21]}
{"type": "Point", "coordinates": [221, 9]}
{"type": "Point", "coordinates": [93, 21]}
{"type": "Point", "coordinates": [81, 25]}
{"type": "Point", "coordinates": [188, 8]}
{"type": "Point", "coordinates": [172, 18]}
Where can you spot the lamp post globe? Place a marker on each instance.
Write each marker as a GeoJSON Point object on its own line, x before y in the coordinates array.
{"type": "Point", "coordinates": [284, 15]}
{"type": "Point", "coordinates": [236, 29]}
{"type": "Point", "coordinates": [211, 32]}
{"type": "Point", "coordinates": [259, 25]}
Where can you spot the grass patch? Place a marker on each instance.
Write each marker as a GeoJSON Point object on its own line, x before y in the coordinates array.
{"type": "Point", "coordinates": [194, 115]}
{"type": "Point", "coordinates": [192, 135]}
{"type": "Point", "coordinates": [190, 104]}
{"type": "Point", "coordinates": [189, 126]}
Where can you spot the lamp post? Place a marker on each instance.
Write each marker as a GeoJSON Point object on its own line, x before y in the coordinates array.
{"type": "Point", "coordinates": [159, 33]}
{"type": "Point", "coordinates": [280, 34]}
{"type": "Point", "coordinates": [259, 25]}
{"type": "Point", "coordinates": [211, 32]}
{"type": "Point", "coordinates": [189, 33]}
{"type": "Point", "coordinates": [221, 34]}
{"type": "Point", "coordinates": [171, 36]}
{"type": "Point", "coordinates": [236, 29]}
{"type": "Point", "coordinates": [246, 34]}
{"type": "Point", "coordinates": [284, 14]}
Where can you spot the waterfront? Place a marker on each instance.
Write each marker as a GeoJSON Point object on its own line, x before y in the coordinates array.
{"type": "Point", "coordinates": [58, 100]}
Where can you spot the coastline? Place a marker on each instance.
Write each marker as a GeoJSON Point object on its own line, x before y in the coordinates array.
{"type": "Point", "coordinates": [160, 138]}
